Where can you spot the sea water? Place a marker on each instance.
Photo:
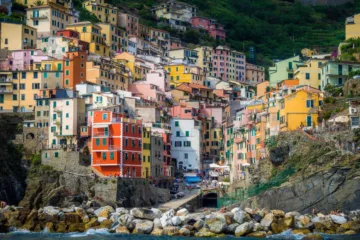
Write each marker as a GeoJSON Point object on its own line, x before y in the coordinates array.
{"type": "Point", "coordinates": [103, 234]}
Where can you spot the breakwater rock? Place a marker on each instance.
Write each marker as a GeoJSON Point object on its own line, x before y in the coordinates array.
{"type": "Point", "coordinates": [238, 222]}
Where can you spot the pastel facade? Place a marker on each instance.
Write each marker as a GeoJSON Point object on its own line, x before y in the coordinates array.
{"type": "Point", "coordinates": [137, 67]}
{"type": "Point", "coordinates": [28, 59]}
{"type": "Point", "coordinates": [160, 78]}
{"type": "Point", "coordinates": [336, 72]}
{"type": "Point", "coordinates": [147, 91]}
{"type": "Point", "coordinates": [184, 55]}
{"type": "Point", "coordinates": [180, 73]}
{"type": "Point", "coordinates": [115, 37]}
{"type": "Point", "coordinates": [129, 22]}
{"type": "Point", "coordinates": [91, 33]}
{"type": "Point", "coordinates": [309, 73]}
{"type": "Point", "coordinates": [146, 153]}
{"type": "Point", "coordinates": [116, 145]}
{"type": "Point", "coordinates": [17, 36]}
{"type": "Point", "coordinates": [50, 18]}
{"type": "Point", "coordinates": [186, 138]}
{"type": "Point", "coordinates": [352, 27]}
{"type": "Point", "coordinates": [254, 74]}
{"type": "Point", "coordinates": [214, 29]}
{"type": "Point", "coordinates": [105, 12]}
{"type": "Point", "coordinates": [284, 69]}
{"type": "Point", "coordinates": [74, 69]}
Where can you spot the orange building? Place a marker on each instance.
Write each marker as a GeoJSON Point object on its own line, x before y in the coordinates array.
{"type": "Point", "coordinates": [74, 69]}
{"type": "Point", "coordinates": [116, 144]}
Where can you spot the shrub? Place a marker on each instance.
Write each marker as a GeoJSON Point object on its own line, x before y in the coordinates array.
{"type": "Point", "coordinates": [36, 160]}
{"type": "Point", "coordinates": [226, 179]}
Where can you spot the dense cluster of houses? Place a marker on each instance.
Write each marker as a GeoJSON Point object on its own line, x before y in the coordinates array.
{"type": "Point", "coordinates": [142, 104]}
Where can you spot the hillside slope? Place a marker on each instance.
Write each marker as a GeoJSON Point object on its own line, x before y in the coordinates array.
{"type": "Point", "coordinates": [277, 29]}
{"type": "Point", "coordinates": [325, 178]}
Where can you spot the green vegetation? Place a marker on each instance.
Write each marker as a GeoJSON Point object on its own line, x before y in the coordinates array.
{"type": "Point", "coordinates": [277, 29]}
{"type": "Point", "coordinates": [84, 14]}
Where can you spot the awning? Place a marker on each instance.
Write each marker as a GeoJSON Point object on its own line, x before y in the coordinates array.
{"type": "Point", "coordinates": [100, 125]}
{"type": "Point", "coordinates": [192, 179]}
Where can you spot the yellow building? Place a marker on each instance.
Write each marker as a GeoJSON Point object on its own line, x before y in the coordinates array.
{"type": "Point", "coordinates": [300, 109]}
{"type": "Point", "coordinates": [146, 164]}
{"type": "Point", "coordinates": [181, 73]}
{"type": "Point", "coordinates": [91, 33]}
{"type": "Point", "coordinates": [19, 89]}
{"type": "Point", "coordinates": [17, 36]}
{"type": "Point", "coordinates": [352, 27]}
{"type": "Point", "coordinates": [306, 52]}
{"type": "Point", "coordinates": [115, 37]}
{"type": "Point", "coordinates": [105, 12]}
{"type": "Point", "coordinates": [309, 73]}
{"type": "Point", "coordinates": [138, 68]}
{"type": "Point", "coordinates": [50, 17]}
{"type": "Point", "coordinates": [205, 59]}
{"type": "Point", "coordinates": [107, 73]}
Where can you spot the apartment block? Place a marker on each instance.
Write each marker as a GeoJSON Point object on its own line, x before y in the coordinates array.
{"type": "Point", "coordinates": [129, 22]}
{"type": "Point", "coordinates": [105, 12]}
{"type": "Point", "coordinates": [17, 36]}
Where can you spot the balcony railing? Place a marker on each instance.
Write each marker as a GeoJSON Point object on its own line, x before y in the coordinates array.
{"type": "Point", "coordinates": [6, 90]}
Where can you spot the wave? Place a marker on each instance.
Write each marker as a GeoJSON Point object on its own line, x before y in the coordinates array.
{"type": "Point", "coordinates": [101, 231]}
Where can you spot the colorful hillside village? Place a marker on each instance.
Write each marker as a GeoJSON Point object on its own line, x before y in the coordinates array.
{"type": "Point", "coordinates": [143, 105]}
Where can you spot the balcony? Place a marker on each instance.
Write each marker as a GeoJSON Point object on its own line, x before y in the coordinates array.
{"type": "Point", "coordinates": [34, 17]}
{"type": "Point", "coordinates": [5, 81]}
{"type": "Point", "coordinates": [290, 70]}
{"type": "Point", "coordinates": [102, 134]}
{"type": "Point", "coordinates": [6, 91]}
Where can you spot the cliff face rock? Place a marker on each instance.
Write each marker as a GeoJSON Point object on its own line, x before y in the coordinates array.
{"type": "Point", "coordinates": [278, 155]}
{"type": "Point", "coordinates": [337, 188]}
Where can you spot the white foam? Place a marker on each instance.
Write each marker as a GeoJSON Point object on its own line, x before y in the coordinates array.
{"type": "Point", "coordinates": [101, 231]}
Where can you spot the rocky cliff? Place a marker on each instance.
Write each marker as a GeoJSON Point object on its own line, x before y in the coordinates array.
{"type": "Point", "coordinates": [325, 178]}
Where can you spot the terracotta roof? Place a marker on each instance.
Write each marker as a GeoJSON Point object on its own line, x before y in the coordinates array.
{"type": "Point", "coordinates": [184, 87]}
{"type": "Point", "coordinates": [198, 86]}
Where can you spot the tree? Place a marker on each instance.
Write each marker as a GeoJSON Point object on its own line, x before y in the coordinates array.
{"type": "Point", "coordinates": [192, 36]}
{"type": "Point", "coordinates": [4, 10]}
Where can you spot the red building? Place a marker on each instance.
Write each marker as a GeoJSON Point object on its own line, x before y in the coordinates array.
{"type": "Point", "coordinates": [215, 30]}
{"type": "Point", "coordinates": [74, 68]}
{"type": "Point", "coordinates": [116, 144]}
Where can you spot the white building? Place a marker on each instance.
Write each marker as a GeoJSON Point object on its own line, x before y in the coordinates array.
{"type": "Point", "coordinates": [186, 140]}
{"type": "Point", "coordinates": [66, 114]}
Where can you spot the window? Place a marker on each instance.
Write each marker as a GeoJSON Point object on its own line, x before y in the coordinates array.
{"type": "Point", "coordinates": [97, 142]}
{"type": "Point", "coordinates": [67, 72]}
{"type": "Point", "coordinates": [187, 133]}
{"type": "Point", "coordinates": [53, 129]}
{"type": "Point", "coordinates": [126, 128]}
{"type": "Point", "coordinates": [67, 63]}
{"type": "Point", "coordinates": [354, 121]}
{"type": "Point", "coordinates": [45, 74]}
{"type": "Point", "coordinates": [307, 76]}
{"type": "Point", "coordinates": [22, 86]}
{"type": "Point", "coordinates": [186, 156]}
{"type": "Point", "coordinates": [126, 142]}
{"type": "Point", "coordinates": [56, 154]}
{"type": "Point", "coordinates": [112, 156]}
{"type": "Point", "coordinates": [23, 75]}
{"type": "Point", "coordinates": [57, 74]}
{"type": "Point", "coordinates": [104, 141]}
{"type": "Point", "coordinates": [133, 129]}
{"type": "Point", "coordinates": [149, 159]}
{"type": "Point", "coordinates": [215, 134]}
{"type": "Point", "coordinates": [84, 29]}
{"type": "Point", "coordinates": [67, 103]}
{"type": "Point", "coordinates": [14, 75]}
{"type": "Point", "coordinates": [176, 123]}
{"type": "Point", "coordinates": [104, 155]}
{"type": "Point", "coordinates": [35, 74]}
{"type": "Point", "coordinates": [178, 133]}
{"type": "Point", "coordinates": [67, 115]}
{"type": "Point", "coordinates": [14, 97]}
{"type": "Point", "coordinates": [54, 104]}
{"type": "Point", "coordinates": [67, 127]}
{"type": "Point", "coordinates": [132, 157]}
{"type": "Point", "coordinates": [67, 82]}
{"type": "Point", "coordinates": [187, 144]}
{"type": "Point", "coordinates": [177, 144]}
{"type": "Point", "coordinates": [104, 116]}
{"type": "Point", "coordinates": [309, 103]}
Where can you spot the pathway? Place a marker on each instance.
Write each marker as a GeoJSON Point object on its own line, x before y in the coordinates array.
{"type": "Point", "coordinates": [177, 203]}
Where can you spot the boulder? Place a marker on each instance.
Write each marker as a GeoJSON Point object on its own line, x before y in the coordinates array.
{"type": "Point", "coordinates": [80, 211]}
{"type": "Point", "coordinates": [257, 227]}
{"type": "Point", "coordinates": [49, 227]}
{"type": "Point", "coordinates": [68, 210]}
{"type": "Point", "coordinates": [104, 211]}
{"type": "Point", "coordinates": [235, 210]}
{"type": "Point", "coordinates": [267, 220]}
{"type": "Point", "coordinates": [106, 223]}
{"type": "Point", "coordinates": [350, 232]}
{"type": "Point", "coordinates": [194, 217]}
{"type": "Point", "coordinates": [289, 221]}
{"type": "Point", "coordinates": [71, 218]}
{"type": "Point", "coordinates": [258, 234]}
{"type": "Point", "coordinates": [143, 227]}
{"type": "Point", "coordinates": [292, 214]}
{"type": "Point", "coordinates": [157, 223]}
{"type": "Point", "coordinates": [314, 236]}
{"type": "Point", "coordinates": [239, 216]}
{"type": "Point", "coordinates": [92, 223]}
{"type": "Point", "coordinates": [76, 227]}
{"type": "Point", "coordinates": [278, 226]}
{"type": "Point", "coordinates": [126, 220]}
{"type": "Point", "coordinates": [338, 219]}
{"type": "Point", "coordinates": [121, 211]}
{"type": "Point", "coordinates": [257, 217]}
{"type": "Point", "coordinates": [171, 231]}
{"type": "Point", "coordinates": [157, 232]}
{"type": "Point", "coordinates": [278, 213]}
{"type": "Point", "coordinates": [229, 218]}
{"type": "Point", "coordinates": [352, 225]}
{"type": "Point", "coordinates": [303, 222]}
{"type": "Point", "coordinates": [182, 212]}
{"type": "Point", "coordinates": [176, 221]}
{"type": "Point", "coordinates": [216, 225]}
{"type": "Point", "coordinates": [199, 224]}
{"type": "Point", "coordinates": [230, 229]}
{"type": "Point", "coordinates": [249, 211]}
{"type": "Point", "coordinates": [50, 214]}
{"type": "Point", "coordinates": [61, 227]}
{"type": "Point", "coordinates": [122, 230]}
{"type": "Point", "coordinates": [205, 232]}
{"type": "Point", "coordinates": [149, 214]}
{"type": "Point", "coordinates": [166, 218]}
{"type": "Point", "coordinates": [303, 231]}
{"type": "Point", "coordinates": [244, 229]}
{"type": "Point", "coordinates": [184, 232]}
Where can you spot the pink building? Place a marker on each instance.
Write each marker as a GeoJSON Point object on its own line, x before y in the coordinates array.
{"type": "Point", "coordinates": [160, 78]}
{"type": "Point", "coordinates": [184, 112]}
{"type": "Point", "coordinates": [23, 60]}
{"type": "Point", "coordinates": [147, 91]}
{"type": "Point", "coordinates": [215, 30]}
{"type": "Point", "coordinates": [228, 64]}
{"type": "Point", "coordinates": [129, 22]}
{"type": "Point", "coordinates": [175, 43]}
